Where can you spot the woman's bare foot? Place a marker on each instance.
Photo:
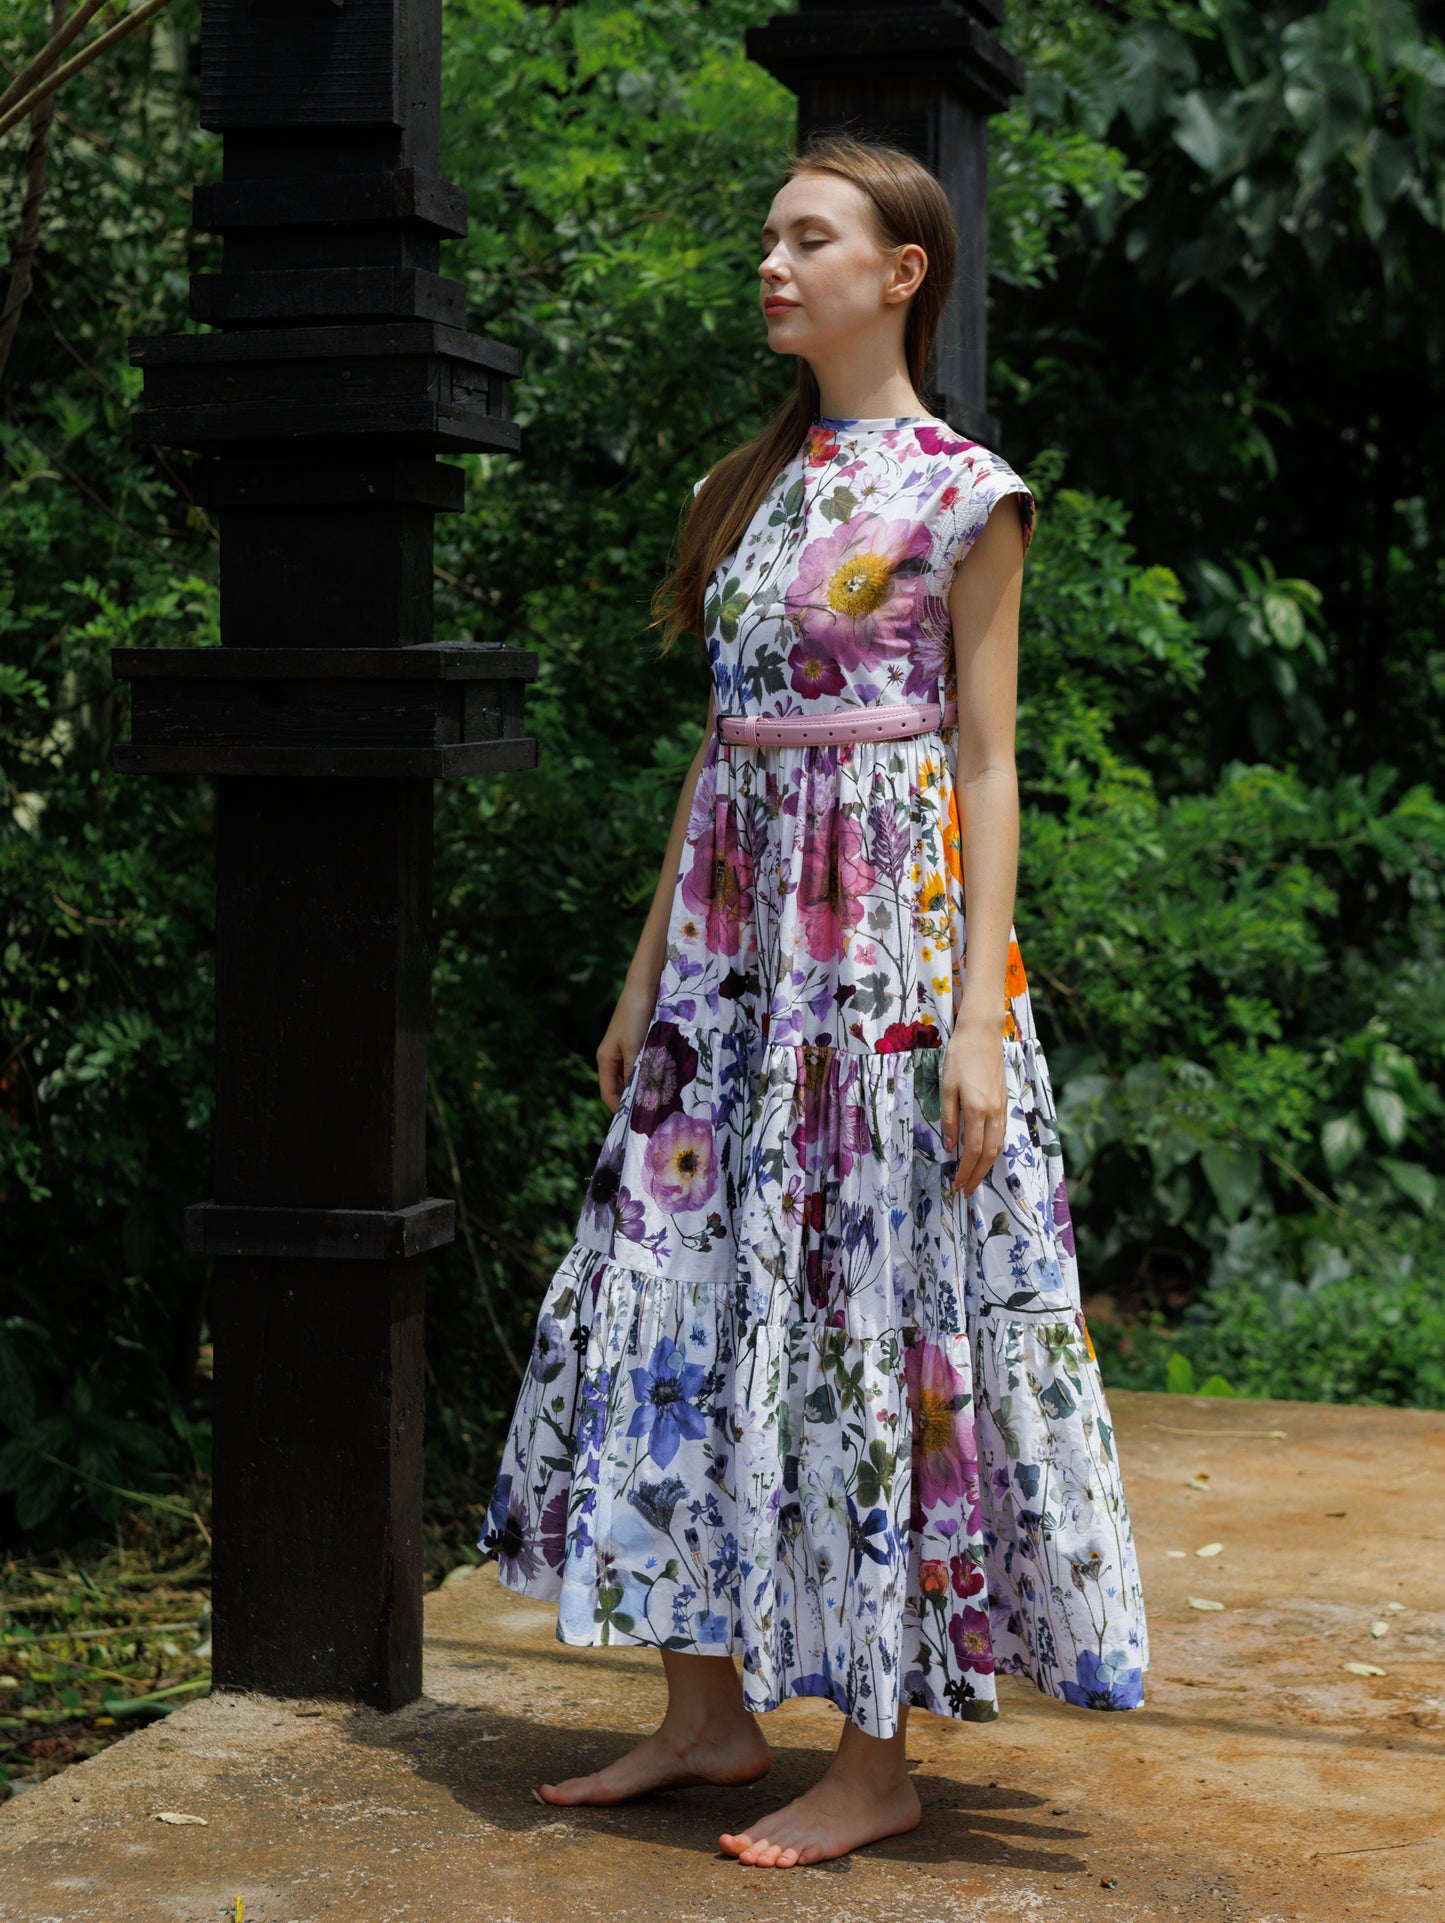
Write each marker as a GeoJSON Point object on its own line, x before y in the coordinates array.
{"type": "Point", "coordinates": [864, 1794]}
{"type": "Point", "coordinates": [735, 1753]}
{"type": "Point", "coordinates": [828, 1820]}
{"type": "Point", "coordinates": [707, 1736]}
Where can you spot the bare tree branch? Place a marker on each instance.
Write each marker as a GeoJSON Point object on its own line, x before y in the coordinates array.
{"type": "Point", "coordinates": [23, 108]}
{"type": "Point", "coordinates": [27, 231]}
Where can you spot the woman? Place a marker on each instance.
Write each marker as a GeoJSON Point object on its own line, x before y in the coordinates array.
{"type": "Point", "coordinates": [812, 1384]}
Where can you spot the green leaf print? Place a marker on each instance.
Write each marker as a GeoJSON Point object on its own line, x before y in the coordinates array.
{"type": "Point", "coordinates": [609, 1595]}
{"type": "Point", "coordinates": [1057, 1400]}
{"type": "Point", "coordinates": [1003, 1415]}
{"type": "Point", "coordinates": [788, 506]}
{"type": "Point", "coordinates": [875, 1474]}
{"type": "Point", "coordinates": [821, 1405]}
{"type": "Point", "coordinates": [840, 505]}
{"type": "Point", "coordinates": [928, 1087]}
{"type": "Point", "coordinates": [874, 994]}
{"type": "Point", "coordinates": [732, 611]}
{"type": "Point", "coordinates": [770, 671]}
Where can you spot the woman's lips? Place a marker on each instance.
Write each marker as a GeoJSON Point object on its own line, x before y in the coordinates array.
{"type": "Point", "coordinates": [778, 306]}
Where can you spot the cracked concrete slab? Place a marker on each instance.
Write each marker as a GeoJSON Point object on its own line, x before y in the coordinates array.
{"type": "Point", "coordinates": [1262, 1782]}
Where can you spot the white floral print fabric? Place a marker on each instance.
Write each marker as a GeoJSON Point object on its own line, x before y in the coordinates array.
{"type": "Point", "coordinates": [790, 1393]}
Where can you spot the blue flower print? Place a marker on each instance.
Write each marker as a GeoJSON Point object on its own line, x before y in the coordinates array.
{"type": "Point", "coordinates": [665, 1412]}
{"type": "Point", "coordinates": [1107, 1682]}
{"type": "Point", "coordinates": [859, 1531]}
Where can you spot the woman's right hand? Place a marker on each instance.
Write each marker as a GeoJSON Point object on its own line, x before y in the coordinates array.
{"type": "Point", "coordinates": [622, 1044]}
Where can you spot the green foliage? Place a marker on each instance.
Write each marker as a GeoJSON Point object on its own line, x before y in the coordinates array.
{"type": "Point", "coordinates": [1215, 270]}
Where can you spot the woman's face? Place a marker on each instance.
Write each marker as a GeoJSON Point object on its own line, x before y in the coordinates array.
{"type": "Point", "coordinates": [825, 279]}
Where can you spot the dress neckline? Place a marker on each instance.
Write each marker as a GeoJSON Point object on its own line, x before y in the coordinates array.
{"type": "Point", "coordinates": [855, 421]}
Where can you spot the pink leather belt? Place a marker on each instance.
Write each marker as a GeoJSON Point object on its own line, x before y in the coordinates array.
{"type": "Point", "coordinates": [893, 723]}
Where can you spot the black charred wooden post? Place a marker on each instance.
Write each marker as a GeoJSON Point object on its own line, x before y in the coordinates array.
{"type": "Point", "coordinates": [925, 77]}
{"type": "Point", "coordinates": [340, 371]}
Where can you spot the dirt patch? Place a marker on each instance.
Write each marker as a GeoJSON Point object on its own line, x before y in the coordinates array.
{"type": "Point", "coordinates": [1263, 1781]}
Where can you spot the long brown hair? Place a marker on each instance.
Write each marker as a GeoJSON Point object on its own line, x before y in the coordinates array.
{"type": "Point", "coordinates": [909, 207]}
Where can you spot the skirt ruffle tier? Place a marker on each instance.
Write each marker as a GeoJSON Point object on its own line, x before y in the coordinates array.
{"type": "Point", "coordinates": [792, 1395]}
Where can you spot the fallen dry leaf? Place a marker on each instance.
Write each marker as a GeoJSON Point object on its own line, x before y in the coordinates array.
{"type": "Point", "coordinates": [1202, 1602]}
{"type": "Point", "coordinates": [1379, 1629]}
{"type": "Point", "coordinates": [1394, 1606]}
{"type": "Point", "coordinates": [175, 1816]}
{"type": "Point", "coordinates": [1210, 1549]}
{"type": "Point", "coordinates": [1178, 1553]}
{"type": "Point", "coordinates": [1364, 1669]}
{"type": "Point", "coordinates": [1201, 1481]}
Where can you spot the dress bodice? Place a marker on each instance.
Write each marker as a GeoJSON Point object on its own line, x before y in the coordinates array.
{"type": "Point", "coordinates": [837, 594]}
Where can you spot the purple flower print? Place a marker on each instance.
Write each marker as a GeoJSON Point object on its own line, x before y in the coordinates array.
{"type": "Point", "coordinates": [553, 1532]}
{"type": "Point", "coordinates": [836, 875]}
{"type": "Point", "coordinates": [549, 1350]}
{"type": "Point", "coordinates": [857, 590]}
{"type": "Point", "coordinates": [681, 1164]}
{"type": "Point", "coordinates": [667, 1065]}
{"type": "Point", "coordinates": [812, 669]}
{"type": "Point", "coordinates": [507, 1536]}
{"type": "Point", "coordinates": [665, 1411]}
{"type": "Point", "coordinates": [1062, 1221]}
{"type": "Point", "coordinates": [601, 1200]}
{"type": "Point", "coordinates": [929, 650]}
{"type": "Point", "coordinates": [1105, 1682]}
{"type": "Point", "coordinates": [972, 1644]}
{"type": "Point", "coordinates": [631, 1217]}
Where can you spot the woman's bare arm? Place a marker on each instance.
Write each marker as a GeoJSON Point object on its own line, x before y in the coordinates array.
{"type": "Point", "coordinates": [627, 1030]}
{"type": "Point", "coordinates": [984, 606]}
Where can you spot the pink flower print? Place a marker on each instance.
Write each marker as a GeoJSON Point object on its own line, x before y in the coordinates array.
{"type": "Point", "coordinates": [719, 885]}
{"type": "Point", "coordinates": [835, 877]}
{"type": "Point", "coordinates": [933, 440]}
{"type": "Point", "coordinates": [816, 1137]}
{"type": "Point", "coordinates": [945, 1463]}
{"type": "Point", "coordinates": [813, 671]}
{"type": "Point", "coordinates": [856, 591]}
{"type": "Point", "coordinates": [681, 1164]}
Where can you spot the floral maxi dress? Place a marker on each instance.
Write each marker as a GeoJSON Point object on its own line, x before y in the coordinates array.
{"type": "Point", "coordinates": [791, 1394]}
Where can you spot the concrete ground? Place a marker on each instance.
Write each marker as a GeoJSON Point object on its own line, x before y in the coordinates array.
{"type": "Point", "coordinates": [1262, 1781]}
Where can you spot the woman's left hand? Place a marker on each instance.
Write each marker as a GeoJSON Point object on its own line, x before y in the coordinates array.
{"type": "Point", "coordinates": [975, 1101]}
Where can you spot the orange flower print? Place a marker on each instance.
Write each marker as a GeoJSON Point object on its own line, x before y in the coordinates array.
{"type": "Point", "coordinates": [1013, 981]}
{"type": "Point", "coordinates": [953, 840]}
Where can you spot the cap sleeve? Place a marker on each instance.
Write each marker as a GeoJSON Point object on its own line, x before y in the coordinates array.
{"type": "Point", "coordinates": [981, 481]}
